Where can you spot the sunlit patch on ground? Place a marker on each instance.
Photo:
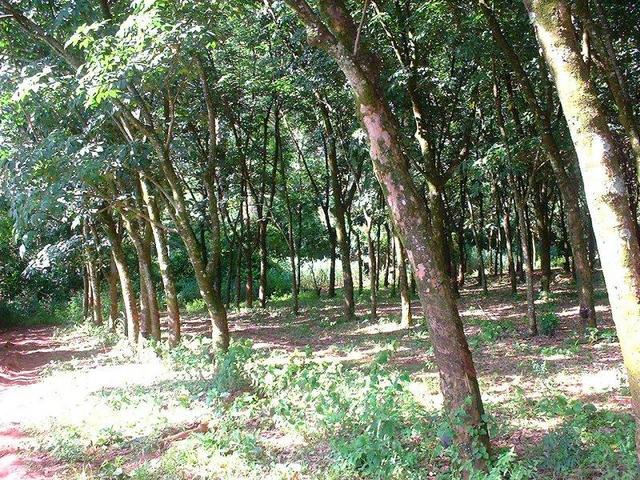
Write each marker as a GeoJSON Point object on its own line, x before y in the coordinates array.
{"type": "Point", "coordinates": [86, 405]}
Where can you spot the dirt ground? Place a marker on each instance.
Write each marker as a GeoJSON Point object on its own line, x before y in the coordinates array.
{"type": "Point", "coordinates": [594, 374]}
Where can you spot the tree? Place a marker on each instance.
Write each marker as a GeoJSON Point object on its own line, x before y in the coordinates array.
{"type": "Point", "coordinates": [600, 165]}
{"type": "Point", "coordinates": [457, 372]}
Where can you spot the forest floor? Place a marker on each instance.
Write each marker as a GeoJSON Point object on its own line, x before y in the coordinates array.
{"type": "Point", "coordinates": [315, 397]}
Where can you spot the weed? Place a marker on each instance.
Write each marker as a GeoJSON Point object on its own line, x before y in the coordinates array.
{"type": "Point", "coordinates": [549, 323]}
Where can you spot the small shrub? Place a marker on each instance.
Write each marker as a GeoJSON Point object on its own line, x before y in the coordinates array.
{"type": "Point", "coordinates": [562, 450]}
{"type": "Point", "coordinates": [229, 368]}
{"type": "Point", "coordinates": [604, 335]}
{"type": "Point", "coordinates": [491, 331]}
{"type": "Point", "coordinates": [196, 306]}
{"type": "Point", "coordinates": [549, 323]}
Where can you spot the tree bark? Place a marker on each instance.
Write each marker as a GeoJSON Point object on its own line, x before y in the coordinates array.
{"type": "Point", "coordinates": [342, 238]}
{"type": "Point", "coordinates": [93, 275]}
{"type": "Point", "coordinates": [214, 265]}
{"type": "Point", "coordinates": [406, 317]}
{"type": "Point", "coordinates": [373, 268]}
{"type": "Point", "coordinates": [112, 280]}
{"type": "Point", "coordinates": [521, 207]}
{"type": "Point", "coordinates": [131, 310]}
{"type": "Point", "coordinates": [162, 252]}
{"type": "Point", "coordinates": [457, 372]}
{"type": "Point", "coordinates": [507, 235]}
{"type": "Point", "coordinates": [607, 196]}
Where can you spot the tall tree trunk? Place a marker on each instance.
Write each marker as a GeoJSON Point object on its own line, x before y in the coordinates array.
{"type": "Point", "coordinates": [291, 242]}
{"type": "Point", "coordinates": [93, 275]}
{"type": "Point", "coordinates": [387, 255]}
{"type": "Point", "coordinates": [373, 268]}
{"type": "Point", "coordinates": [266, 203]}
{"type": "Point", "coordinates": [162, 252]}
{"type": "Point", "coordinates": [339, 213]}
{"type": "Point", "coordinates": [482, 277]}
{"type": "Point", "coordinates": [544, 232]}
{"type": "Point", "coordinates": [112, 280]}
{"type": "Point", "coordinates": [569, 188]}
{"type": "Point", "coordinates": [248, 250]}
{"type": "Point", "coordinates": [457, 372]}
{"type": "Point", "coordinates": [149, 286]}
{"type": "Point", "coordinates": [214, 265]}
{"type": "Point", "coordinates": [607, 197]}
{"type": "Point", "coordinates": [126, 285]}
{"type": "Point", "coordinates": [521, 207]}
{"type": "Point", "coordinates": [406, 318]}
{"type": "Point", "coordinates": [86, 291]}
{"type": "Point", "coordinates": [360, 264]}
{"type": "Point", "coordinates": [566, 248]}
{"type": "Point", "coordinates": [140, 234]}
{"type": "Point", "coordinates": [462, 254]}
{"type": "Point", "coordinates": [331, 290]}
{"type": "Point", "coordinates": [510, 266]}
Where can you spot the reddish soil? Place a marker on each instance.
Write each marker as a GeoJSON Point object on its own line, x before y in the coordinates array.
{"type": "Point", "coordinates": [23, 355]}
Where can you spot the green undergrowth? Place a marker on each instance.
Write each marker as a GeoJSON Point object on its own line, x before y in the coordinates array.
{"type": "Point", "coordinates": [282, 415]}
{"type": "Point", "coordinates": [268, 415]}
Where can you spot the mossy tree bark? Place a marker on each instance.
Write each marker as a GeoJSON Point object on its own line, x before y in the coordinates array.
{"type": "Point", "coordinates": [600, 165]}
{"type": "Point", "coordinates": [566, 184]}
{"type": "Point", "coordinates": [457, 372]}
{"type": "Point", "coordinates": [91, 258]}
{"type": "Point", "coordinates": [166, 273]}
{"type": "Point", "coordinates": [132, 313]}
{"type": "Point", "coordinates": [342, 239]}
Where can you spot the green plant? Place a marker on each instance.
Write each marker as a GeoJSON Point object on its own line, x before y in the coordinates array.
{"type": "Point", "coordinates": [604, 335]}
{"type": "Point", "coordinates": [491, 331]}
{"type": "Point", "coordinates": [196, 306]}
{"type": "Point", "coordinates": [549, 323]}
{"type": "Point", "coordinates": [588, 440]}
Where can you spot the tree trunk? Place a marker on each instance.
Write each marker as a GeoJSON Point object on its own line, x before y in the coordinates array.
{"type": "Point", "coordinates": [521, 207]}
{"type": "Point", "coordinates": [112, 279]}
{"type": "Point", "coordinates": [360, 265]}
{"type": "Point", "coordinates": [510, 266]}
{"type": "Point", "coordinates": [566, 248]}
{"type": "Point", "coordinates": [373, 269]}
{"type": "Point", "coordinates": [86, 291]}
{"type": "Point", "coordinates": [214, 265]}
{"type": "Point", "coordinates": [387, 256]}
{"type": "Point", "coordinates": [462, 254]}
{"type": "Point", "coordinates": [126, 285]}
{"type": "Point", "coordinates": [406, 318]}
{"type": "Point", "coordinates": [606, 194]}
{"type": "Point", "coordinates": [248, 251]}
{"type": "Point", "coordinates": [342, 238]}
{"type": "Point", "coordinates": [331, 290]}
{"type": "Point", "coordinates": [166, 273]}
{"type": "Point", "coordinates": [91, 254]}
{"type": "Point", "coordinates": [482, 277]}
{"type": "Point", "coordinates": [457, 372]}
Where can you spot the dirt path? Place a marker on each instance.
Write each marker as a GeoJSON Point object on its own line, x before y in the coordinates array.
{"type": "Point", "coordinates": [24, 352]}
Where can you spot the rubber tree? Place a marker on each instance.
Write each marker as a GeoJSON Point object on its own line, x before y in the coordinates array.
{"type": "Point", "coordinates": [342, 239]}
{"type": "Point", "coordinates": [458, 379]}
{"type": "Point", "coordinates": [600, 164]}
{"type": "Point", "coordinates": [567, 185]}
